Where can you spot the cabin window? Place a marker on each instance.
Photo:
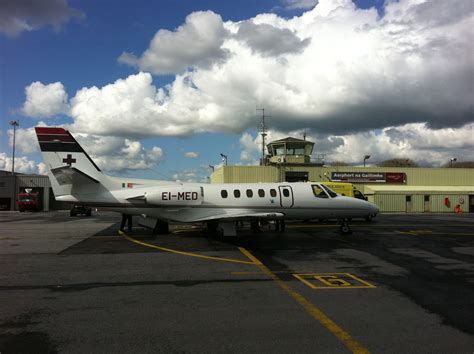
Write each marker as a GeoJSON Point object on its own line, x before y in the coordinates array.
{"type": "Point", "coordinates": [273, 192]}
{"type": "Point", "coordinates": [223, 193]}
{"type": "Point", "coordinates": [236, 193]}
{"type": "Point", "coordinates": [261, 193]}
{"type": "Point", "coordinates": [249, 193]}
{"type": "Point", "coordinates": [286, 192]}
{"type": "Point", "coordinates": [319, 192]}
{"type": "Point", "coordinates": [329, 191]}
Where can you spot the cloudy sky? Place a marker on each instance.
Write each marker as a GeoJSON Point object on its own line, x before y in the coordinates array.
{"type": "Point", "coordinates": [159, 89]}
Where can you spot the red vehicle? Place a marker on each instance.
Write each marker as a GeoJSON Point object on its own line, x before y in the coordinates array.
{"type": "Point", "coordinates": [28, 201]}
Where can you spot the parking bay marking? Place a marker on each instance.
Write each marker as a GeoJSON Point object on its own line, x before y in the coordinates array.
{"type": "Point", "coordinates": [352, 344]}
{"type": "Point", "coordinates": [333, 281]}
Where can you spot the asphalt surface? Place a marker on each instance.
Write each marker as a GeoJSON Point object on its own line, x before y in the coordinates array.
{"type": "Point", "coordinates": [400, 284]}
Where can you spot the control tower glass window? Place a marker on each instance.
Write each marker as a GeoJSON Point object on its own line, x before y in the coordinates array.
{"type": "Point", "coordinates": [280, 150]}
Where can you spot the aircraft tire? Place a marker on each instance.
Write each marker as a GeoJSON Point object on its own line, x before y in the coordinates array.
{"type": "Point", "coordinates": [345, 229]}
{"type": "Point", "coordinates": [212, 226]}
{"type": "Point", "coordinates": [161, 228]}
{"type": "Point", "coordinates": [254, 226]}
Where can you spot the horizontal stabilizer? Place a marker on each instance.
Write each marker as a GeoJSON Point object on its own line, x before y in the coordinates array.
{"type": "Point", "coordinates": [71, 175]}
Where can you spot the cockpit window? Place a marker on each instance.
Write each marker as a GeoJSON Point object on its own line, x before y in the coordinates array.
{"type": "Point", "coordinates": [319, 192]}
{"type": "Point", "coordinates": [329, 191]}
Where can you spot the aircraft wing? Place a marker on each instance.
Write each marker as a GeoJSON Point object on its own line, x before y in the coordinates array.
{"type": "Point", "coordinates": [240, 215]}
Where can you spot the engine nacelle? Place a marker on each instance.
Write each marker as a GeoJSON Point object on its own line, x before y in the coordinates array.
{"type": "Point", "coordinates": [176, 196]}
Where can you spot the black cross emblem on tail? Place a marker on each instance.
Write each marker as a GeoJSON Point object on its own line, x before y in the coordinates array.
{"type": "Point", "coordinates": [69, 160]}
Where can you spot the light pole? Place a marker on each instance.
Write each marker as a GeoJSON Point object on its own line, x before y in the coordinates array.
{"type": "Point", "coordinates": [366, 157]}
{"type": "Point", "coordinates": [453, 159]}
{"type": "Point", "coordinates": [15, 124]}
{"type": "Point", "coordinates": [211, 167]}
{"type": "Point", "coordinates": [224, 159]}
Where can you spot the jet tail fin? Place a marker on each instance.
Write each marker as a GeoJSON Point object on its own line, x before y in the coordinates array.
{"type": "Point", "coordinates": [70, 168]}
{"type": "Point", "coordinates": [71, 175]}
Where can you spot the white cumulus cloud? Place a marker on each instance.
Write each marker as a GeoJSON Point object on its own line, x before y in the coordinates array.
{"type": "Point", "coordinates": [415, 141]}
{"type": "Point", "coordinates": [197, 43]}
{"type": "Point", "coordinates": [270, 40]}
{"type": "Point", "coordinates": [194, 175]}
{"type": "Point", "coordinates": [338, 70]}
{"type": "Point", "coordinates": [299, 4]}
{"type": "Point", "coordinates": [44, 101]}
{"type": "Point", "coordinates": [115, 154]}
{"type": "Point", "coordinates": [25, 141]}
{"type": "Point", "coordinates": [22, 164]}
{"type": "Point", "coordinates": [191, 154]}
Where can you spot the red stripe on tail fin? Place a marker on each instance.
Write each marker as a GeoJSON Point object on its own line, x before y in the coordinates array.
{"type": "Point", "coordinates": [49, 130]}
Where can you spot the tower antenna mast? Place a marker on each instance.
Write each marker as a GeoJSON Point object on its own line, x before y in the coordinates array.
{"type": "Point", "coordinates": [263, 133]}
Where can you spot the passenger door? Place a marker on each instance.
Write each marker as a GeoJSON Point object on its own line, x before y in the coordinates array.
{"type": "Point", "coordinates": [286, 196]}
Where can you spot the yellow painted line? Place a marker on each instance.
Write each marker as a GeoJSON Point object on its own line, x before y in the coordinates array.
{"type": "Point", "coordinates": [276, 272]}
{"type": "Point", "coordinates": [251, 257]}
{"type": "Point", "coordinates": [352, 344]}
{"type": "Point", "coordinates": [310, 226]}
{"type": "Point", "coordinates": [431, 233]}
{"type": "Point", "coordinates": [190, 254]}
{"type": "Point", "coordinates": [454, 233]}
{"type": "Point", "coordinates": [356, 224]}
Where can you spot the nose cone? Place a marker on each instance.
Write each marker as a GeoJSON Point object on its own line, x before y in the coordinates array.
{"type": "Point", "coordinates": [369, 208]}
{"type": "Point", "coordinates": [356, 208]}
{"type": "Point", "coordinates": [373, 208]}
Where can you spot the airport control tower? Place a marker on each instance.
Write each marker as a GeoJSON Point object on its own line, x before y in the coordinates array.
{"type": "Point", "coordinates": [290, 151]}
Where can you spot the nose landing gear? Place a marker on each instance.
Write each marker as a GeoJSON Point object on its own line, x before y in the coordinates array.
{"type": "Point", "coordinates": [345, 228]}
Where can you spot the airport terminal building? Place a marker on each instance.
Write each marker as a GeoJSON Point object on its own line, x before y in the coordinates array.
{"type": "Point", "coordinates": [393, 189]}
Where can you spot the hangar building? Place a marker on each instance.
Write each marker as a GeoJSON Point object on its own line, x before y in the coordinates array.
{"type": "Point", "coordinates": [37, 183]}
{"type": "Point", "coordinates": [393, 189]}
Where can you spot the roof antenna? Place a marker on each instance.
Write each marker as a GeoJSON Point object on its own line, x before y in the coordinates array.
{"type": "Point", "coordinates": [263, 133]}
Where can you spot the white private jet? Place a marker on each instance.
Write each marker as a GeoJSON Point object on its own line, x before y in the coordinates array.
{"type": "Point", "coordinates": [77, 179]}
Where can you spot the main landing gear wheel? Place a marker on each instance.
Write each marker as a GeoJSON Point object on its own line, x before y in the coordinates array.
{"type": "Point", "coordinates": [345, 228]}
{"type": "Point", "coordinates": [212, 227]}
{"type": "Point", "coordinates": [161, 228]}
{"type": "Point", "coordinates": [254, 226]}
